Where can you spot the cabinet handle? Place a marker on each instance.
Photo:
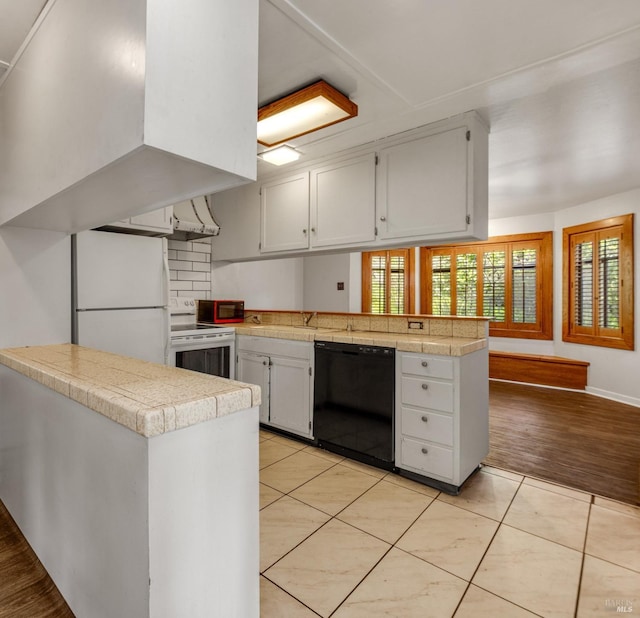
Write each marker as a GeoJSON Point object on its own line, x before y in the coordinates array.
{"type": "Point", "coordinates": [304, 231]}
{"type": "Point", "coordinates": [313, 229]}
{"type": "Point", "coordinates": [425, 364]}
{"type": "Point", "coordinates": [383, 218]}
{"type": "Point", "coordinates": [425, 419]}
{"type": "Point", "coordinates": [425, 387]}
{"type": "Point", "coordinates": [425, 451]}
{"type": "Point", "coordinates": [265, 363]}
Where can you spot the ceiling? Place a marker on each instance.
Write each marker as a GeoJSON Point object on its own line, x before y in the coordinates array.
{"type": "Point", "coordinates": [558, 83]}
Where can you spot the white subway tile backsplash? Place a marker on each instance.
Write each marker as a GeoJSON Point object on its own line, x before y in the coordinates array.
{"type": "Point", "coordinates": [184, 275]}
{"type": "Point", "coordinates": [180, 265]}
{"type": "Point", "coordinates": [180, 245]}
{"type": "Point", "coordinates": [193, 256]}
{"type": "Point", "coordinates": [202, 247]}
{"type": "Point", "coordinates": [202, 266]}
{"type": "Point", "coordinates": [181, 285]}
{"type": "Point", "coordinates": [190, 268]}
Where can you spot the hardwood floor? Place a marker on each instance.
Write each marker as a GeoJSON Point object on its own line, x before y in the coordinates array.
{"type": "Point", "coordinates": [26, 590]}
{"type": "Point", "coordinates": [574, 439]}
{"type": "Point", "coordinates": [571, 438]}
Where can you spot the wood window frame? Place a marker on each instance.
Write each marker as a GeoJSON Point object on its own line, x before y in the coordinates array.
{"type": "Point", "coordinates": [542, 241]}
{"type": "Point", "coordinates": [624, 337]}
{"type": "Point", "coordinates": [409, 278]}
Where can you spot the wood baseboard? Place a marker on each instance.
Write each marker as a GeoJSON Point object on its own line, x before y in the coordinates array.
{"type": "Point", "coordinates": [536, 369]}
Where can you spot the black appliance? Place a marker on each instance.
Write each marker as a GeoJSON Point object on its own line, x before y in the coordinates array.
{"type": "Point", "coordinates": [353, 403]}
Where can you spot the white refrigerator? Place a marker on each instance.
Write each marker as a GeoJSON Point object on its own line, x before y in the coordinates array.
{"type": "Point", "coordinates": [121, 294]}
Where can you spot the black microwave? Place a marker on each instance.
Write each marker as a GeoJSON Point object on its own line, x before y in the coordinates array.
{"type": "Point", "coordinates": [220, 311]}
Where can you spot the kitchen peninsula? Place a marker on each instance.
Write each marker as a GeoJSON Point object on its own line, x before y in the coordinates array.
{"type": "Point", "coordinates": [135, 483]}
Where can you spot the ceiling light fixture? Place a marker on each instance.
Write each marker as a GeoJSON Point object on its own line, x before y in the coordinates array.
{"type": "Point", "coordinates": [314, 107]}
{"type": "Point", "coordinates": [280, 155]}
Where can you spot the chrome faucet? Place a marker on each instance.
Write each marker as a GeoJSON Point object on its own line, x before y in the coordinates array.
{"type": "Point", "coordinates": [307, 318]}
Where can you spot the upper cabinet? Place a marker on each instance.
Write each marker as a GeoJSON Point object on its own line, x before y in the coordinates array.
{"type": "Point", "coordinates": [284, 214]}
{"type": "Point", "coordinates": [342, 202]}
{"type": "Point", "coordinates": [424, 186]}
{"type": "Point", "coordinates": [330, 206]}
{"type": "Point", "coordinates": [156, 106]}
{"type": "Point", "coordinates": [155, 223]}
{"type": "Point", "coordinates": [425, 190]}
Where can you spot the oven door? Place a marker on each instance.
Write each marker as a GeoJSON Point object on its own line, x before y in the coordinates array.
{"type": "Point", "coordinates": [214, 357]}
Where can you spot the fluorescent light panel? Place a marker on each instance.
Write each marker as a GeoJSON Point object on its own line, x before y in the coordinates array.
{"type": "Point", "coordinates": [280, 155]}
{"type": "Point", "coordinates": [314, 107]}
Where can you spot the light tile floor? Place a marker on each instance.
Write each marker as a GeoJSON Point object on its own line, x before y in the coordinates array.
{"type": "Point", "coordinates": [339, 538]}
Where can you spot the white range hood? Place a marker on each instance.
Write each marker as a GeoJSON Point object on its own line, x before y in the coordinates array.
{"type": "Point", "coordinates": [113, 109]}
{"type": "Point", "coordinates": [193, 219]}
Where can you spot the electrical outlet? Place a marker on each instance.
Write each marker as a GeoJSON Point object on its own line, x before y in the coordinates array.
{"type": "Point", "coordinates": [416, 325]}
{"type": "Point", "coordinates": [341, 285]}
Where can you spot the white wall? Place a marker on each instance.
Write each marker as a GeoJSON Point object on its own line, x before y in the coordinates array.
{"type": "Point", "coordinates": [35, 287]}
{"type": "Point", "coordinates": [612, 373]}
{"type": "Point", "coordinates": [321, 275]}
{"type": "Point", "coordinates": [267, 284]}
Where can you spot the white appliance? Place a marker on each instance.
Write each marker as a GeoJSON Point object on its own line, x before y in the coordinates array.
{"type": "Point", "coordinates": [121, 291]}
{"type": "Point", "coordinates": [207, 348]}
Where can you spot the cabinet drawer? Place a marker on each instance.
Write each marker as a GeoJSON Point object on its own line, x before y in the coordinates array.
{"type": "Point", "coordinates": [428, 458]}
{"type": "Point", "coordinates": [427, 426]}
{"type": "Point", "coordinates": [427, 394]}
{"type": "Point", "coordinates": [428, 366]}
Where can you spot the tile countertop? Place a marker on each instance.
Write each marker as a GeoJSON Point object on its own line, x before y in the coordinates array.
{"type": "Point", "coordinates": [430, 344]}
{"type": "Point", "coordinates": [148, 398]}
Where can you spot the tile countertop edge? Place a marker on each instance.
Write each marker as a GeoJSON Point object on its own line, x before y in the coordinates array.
{"type": "Point", "coordinates": [147, 398]}
{"type": "Point", "coordinates": [433, 344]}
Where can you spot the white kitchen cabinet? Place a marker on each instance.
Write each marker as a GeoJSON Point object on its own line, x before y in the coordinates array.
{"type": "Point", "coordinates": [442, 416]}
{"type": "Point", "coordinates": [342, 202]}
{"type": "Point", "coordinates": [283, 369]}
{"type": "Point", "coordinates": [284, 214]}
{"type": "Point", "coordinates": [429, 185]}
{"type": "Point", "coordinates": [433, 185]}
{"type": "Point", "coordinates": [155, 223]}
{"type": "Point", "coordinates": [254, 369]}
{"type": "Point", "coordinates": [290, 394]}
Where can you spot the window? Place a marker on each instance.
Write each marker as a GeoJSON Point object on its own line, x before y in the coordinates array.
{"type": "Point", "coordinates": [598, 283]}
{"type": "Point", "coordinates": [506, 278]}
{"type": "Point", "coordinates": [387, 281]}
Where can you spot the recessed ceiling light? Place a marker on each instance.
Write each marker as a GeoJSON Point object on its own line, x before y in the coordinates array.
{"type": "Point", "coordinates": [280, 155]}
{"type": "Point", "coordinates": [314, 107]}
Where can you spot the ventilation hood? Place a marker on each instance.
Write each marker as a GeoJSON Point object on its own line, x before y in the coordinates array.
{"type": "Point", "coordinates": [193, 219]}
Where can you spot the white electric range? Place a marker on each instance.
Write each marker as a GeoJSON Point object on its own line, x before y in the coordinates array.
{"type": "Point", "coordinates": [207, 348]}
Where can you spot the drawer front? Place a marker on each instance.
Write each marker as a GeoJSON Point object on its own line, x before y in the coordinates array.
{"type": "Point", "coordinates": [428, 458]}
{"type": "Point", "coordinates": [428, 366]}
{"type": "Point", "coordinates": [427, 394]}
{"type": "Point", "coordinates": [427, 426]}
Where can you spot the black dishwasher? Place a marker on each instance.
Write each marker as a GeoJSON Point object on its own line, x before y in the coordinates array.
{"type": "Point", "coordinates": [353, 401]}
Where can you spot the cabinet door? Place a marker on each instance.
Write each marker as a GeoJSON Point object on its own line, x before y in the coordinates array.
{"type": "Point", "coordinates": [423, 187]}
{"type": "Point", "coordinates": [290, 401]}
{"type": "Point", "coordinates": [284, 214]}
{"type": "Point", "coordinates": [254, 369]}
{"type": "Point", "coordinates": [343, 202]}
{"type": "Point", "coordinates": [156, 222]}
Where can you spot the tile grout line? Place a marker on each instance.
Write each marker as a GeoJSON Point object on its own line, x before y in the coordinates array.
{"type": "Point", "coordinates": [515, 493]}
{"type": "Point", "coordinates": [289, 594]}
{"type": "Point", "coordinates": [584, 548]}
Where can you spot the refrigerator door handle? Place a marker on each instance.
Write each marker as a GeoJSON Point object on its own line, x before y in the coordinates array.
{"type": "Point", "coordinates": [167, 288]}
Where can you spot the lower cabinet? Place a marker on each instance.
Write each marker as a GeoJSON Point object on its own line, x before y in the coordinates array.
{"type": "Point", "coordinates": [442, 415]}
{"type": "Point", "coordinates": [283, 369]}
